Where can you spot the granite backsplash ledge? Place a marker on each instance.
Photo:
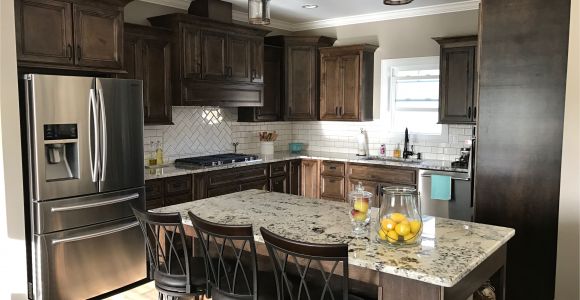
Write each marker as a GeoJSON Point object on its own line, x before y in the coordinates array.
{"type": "Point", "coordinates": [210, 130]}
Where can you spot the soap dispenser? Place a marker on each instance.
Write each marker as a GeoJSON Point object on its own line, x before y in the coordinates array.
{"type": "Point", "coordinates": [362, 148]}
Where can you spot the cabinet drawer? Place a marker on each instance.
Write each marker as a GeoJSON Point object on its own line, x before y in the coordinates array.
{"type": "Point", "coordinates": [332, 187]}
{"type": "Point", "coordinates": [222, 190]}
{"type": "Point", "coordinates": [178, 185]}
{"type": "Point", "coordinates": [154, 189]}
{"type": "Point", "coordinates": [178, 199]}
{"type": "Point", "coordinates": [383, 174]}
{"type": "Point", "coordinates": [278, 169]}
{"type": "Point", "coordinates": [257, 185]}
{"type": "Point", "coordinates": [236, 175]}
{"type": "Point", "coordinates": [332, 168]}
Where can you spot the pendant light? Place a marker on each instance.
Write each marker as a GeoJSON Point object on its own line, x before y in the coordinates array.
{"type": "Point", "coordinates": [259, 12]}
{"type": "Point", "coordinates": [396, 2]}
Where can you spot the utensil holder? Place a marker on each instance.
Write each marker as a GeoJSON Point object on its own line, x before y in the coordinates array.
{"type": "Point", "coordinates": [267, 148]}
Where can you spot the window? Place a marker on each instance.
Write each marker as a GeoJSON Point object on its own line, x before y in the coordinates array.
{"type": "Point", "coordinates": [411, 96]}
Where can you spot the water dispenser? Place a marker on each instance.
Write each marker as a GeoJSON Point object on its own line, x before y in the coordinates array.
{"type": "Point", "coordinates": [61, 151]}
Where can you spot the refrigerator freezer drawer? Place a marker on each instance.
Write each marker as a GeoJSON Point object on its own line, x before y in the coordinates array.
{"type": "Point", "coordinates": [89, 261]}
{"type": "Point", "coordinates": [77, 212]}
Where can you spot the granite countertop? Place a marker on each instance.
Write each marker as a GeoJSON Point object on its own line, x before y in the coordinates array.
{"type": "Point", "coordinates": [450, 249]}
{"type": "Point", "coordinates": [439, 165]}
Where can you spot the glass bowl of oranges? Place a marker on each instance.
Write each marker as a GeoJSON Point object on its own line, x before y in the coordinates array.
{"type": "Point", "coordinates": [400, 221]}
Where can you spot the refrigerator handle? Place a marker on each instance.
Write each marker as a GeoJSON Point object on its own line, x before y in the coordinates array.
{"type": "Point", "coordinates": [103, 135]}
{"type": "Point", "coordinates": [95, 130]}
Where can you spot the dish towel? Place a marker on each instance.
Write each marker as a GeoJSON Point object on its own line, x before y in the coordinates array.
{"type": "Point", "coordinates": [441, 187]}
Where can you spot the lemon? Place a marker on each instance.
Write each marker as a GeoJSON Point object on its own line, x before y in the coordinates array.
{"type": "Point", "coordinates": [360, 216]}
{"type": "Point", "coordinates": [388, 224]}
{"type": "Point", "coordinates": [410, 238]}
{"type": "Point", "coordinates": [415, 226]}
{"type": "Point", "coordinates": [361, 205]}
{"type": "Point", "coordinates": [382, 234]}
{"type": "Point", "coordinates": [392, 236]}
{"type": "Point", "coordinates": [405, 222]}
{"type": "Point", "coordinates": [398, 217]}
{"type": "Point", "coordinates": [402, 229]}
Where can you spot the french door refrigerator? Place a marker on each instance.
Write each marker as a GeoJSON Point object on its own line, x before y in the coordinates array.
{"type": "Point", "coordinates": [85, 168]}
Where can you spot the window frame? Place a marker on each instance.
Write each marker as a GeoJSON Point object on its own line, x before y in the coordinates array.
{"type": "Point", "coordinates": [387, 97]}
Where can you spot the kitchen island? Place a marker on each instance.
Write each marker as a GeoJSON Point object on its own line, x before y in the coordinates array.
{"type": "Point", "coordinates": [454, 258]}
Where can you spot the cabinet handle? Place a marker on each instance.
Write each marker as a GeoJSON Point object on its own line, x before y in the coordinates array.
{"type": "Point", "coordinates": [253, 74]}
{"type": "Point", "coordinates": [336, 110]}
{"type": "Point", "coordinates": [332, 168]}
{"type": "Point", "coordinates": [69, 52]}
{"type": "Point", "coordinates": [469, 112]}
{"type": "Point", "coordinates": [341, 111]}
{"type": "Point", "coordinates": [474, 112]}
{"type": "Point", "coordinates": [79, 52]}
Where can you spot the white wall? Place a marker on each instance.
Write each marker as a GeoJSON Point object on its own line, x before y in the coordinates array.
{"type": "Point", "coordinates": [12, 240]}
{"type": "Point", "coordinates": [568, 260]}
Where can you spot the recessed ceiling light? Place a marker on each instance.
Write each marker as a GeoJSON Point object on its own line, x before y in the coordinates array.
{"type": "Point", "coordinates": [310, 6]}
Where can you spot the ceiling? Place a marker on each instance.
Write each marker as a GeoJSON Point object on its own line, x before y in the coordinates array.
{"type": "Point", "coordinates": [289, 14]}
{"type": "Point", "coordinates": [291, 10]}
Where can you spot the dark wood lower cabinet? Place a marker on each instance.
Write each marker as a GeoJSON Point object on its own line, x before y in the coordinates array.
{"type": "Point", "coordinates": [222, 190]}
{"type": "Point", "coordinates": [294, 177]}
{"type": "Point", "coordinates": [332, 188]}
{"type": "Point", "coordinates": [310, 171]}
{"type": "Point", "coordinates": [279, 184]}
{"type": "Point", "coordinates": [263, 184]}
{"type": "Point", "coordinates": [168, 191]}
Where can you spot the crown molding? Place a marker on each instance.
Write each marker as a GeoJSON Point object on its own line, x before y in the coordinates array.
{"type": "Point", "coordinates": [390, 15]}
{"type": "Point", "coordinates": [343, 21]}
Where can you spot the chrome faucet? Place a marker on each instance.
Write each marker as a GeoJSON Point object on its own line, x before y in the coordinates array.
{"type": "Point", "coordinates": [406, 152]}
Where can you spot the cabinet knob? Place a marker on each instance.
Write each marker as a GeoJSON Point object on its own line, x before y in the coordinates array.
{"type": "Point", "coordinates": [474, 113]}
{"type": "Point", "coordinates": [469, 112]}
{"type": "Point", "coordinates": [69, 52]}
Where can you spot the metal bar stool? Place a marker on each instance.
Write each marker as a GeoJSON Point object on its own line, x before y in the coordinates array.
{"type": "Point", "coordinates": [231, 262]}
{"type": "Point", "coordinates": [309, 271]}
{"type": "Point", "coordinates": [175, 273]}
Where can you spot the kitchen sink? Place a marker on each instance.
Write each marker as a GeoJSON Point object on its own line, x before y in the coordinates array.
{"type": "Point", "coordinates": [393, 159]}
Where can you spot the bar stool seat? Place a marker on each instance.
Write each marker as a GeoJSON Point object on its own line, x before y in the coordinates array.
{"type": "Point", "coordinates": [177, 283]}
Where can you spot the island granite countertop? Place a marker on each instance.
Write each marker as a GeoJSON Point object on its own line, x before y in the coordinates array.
{"type": "Point", "coordinates": [171, 170]}
{"type": "Point", "coordinates": [450, 249]}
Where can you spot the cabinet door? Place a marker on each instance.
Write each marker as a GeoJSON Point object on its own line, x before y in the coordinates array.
{"type": "Point", "coordinates": [213, 49]}
{"type": "Point", "coordinates": [191, 51]}
{"type": "Point", "coordinates": [257, 70]}
{"type": "Point", "coordinates": [98, 37]}
{"type": "Point", "coordinates": [330, 88]}
{"type": "Point", "coordinates": [44, 31]}
{"type": "Point", "coordinates": [273, 64]}
{"type": "Point", "coordinates": [332, 188]}
{"type": "Point", "coordinates": [279, 184]}
{"type": "Point", "coordinates": [456, 85]}
{"type": "Point", "coordinates": [157, 81]}
{"type": "Point", "coordinates": [133, 57]}
{"type": "Point", "coordinates": [350, 87]}
{"type": "Point", "coordinates": [239, 58]}
{"type": "Point", "coordinates": [295, 175]}
{"type": "Point", "coordinates": [310, 178]}
{"type": "Point", "coordinates": [301, 83]}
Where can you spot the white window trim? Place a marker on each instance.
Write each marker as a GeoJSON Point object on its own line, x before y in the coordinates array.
{"type": "Point", "coordinates": [387, 94]}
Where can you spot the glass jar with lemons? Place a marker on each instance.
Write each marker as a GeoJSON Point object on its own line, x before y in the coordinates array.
{"type": "Point", "coordinates": [400, 221]}
{"type": "Point", "coordinates": [361, 202]}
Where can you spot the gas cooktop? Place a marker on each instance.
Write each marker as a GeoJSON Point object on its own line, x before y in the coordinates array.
{"type": "Point", "coordinates": [214, 160]}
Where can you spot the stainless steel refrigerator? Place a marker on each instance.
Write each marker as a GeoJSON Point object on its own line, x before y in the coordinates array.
{"type": "Point", "coordinates": [85, 169]}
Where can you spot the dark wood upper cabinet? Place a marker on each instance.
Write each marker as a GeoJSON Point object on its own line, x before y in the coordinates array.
{"type": "Point", "coordinates": [98, 37]}
{"type": "Point", "coordinates": [239, 58]}
{"type": "Point", "coordinates": [273, 82]}
{"type": "Point", "coordinates": [191, 51]}
{"type": "Point", "coordinates": [346, 83]}
{"type": "Point", "coordinates": [148, 58]}
{"type": "Point", "coordinates": [70, 35]}
{"type": "Point", "coordinates": [257, 71]}
{"type": "Point", "coordinates": [35, 21]}
{"type": "Point", "coordinates": [215, 63]}
{"type": "Point", "coordinates": [458, 80]}
{"type": "Point", "coordinates": [214, 45]}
